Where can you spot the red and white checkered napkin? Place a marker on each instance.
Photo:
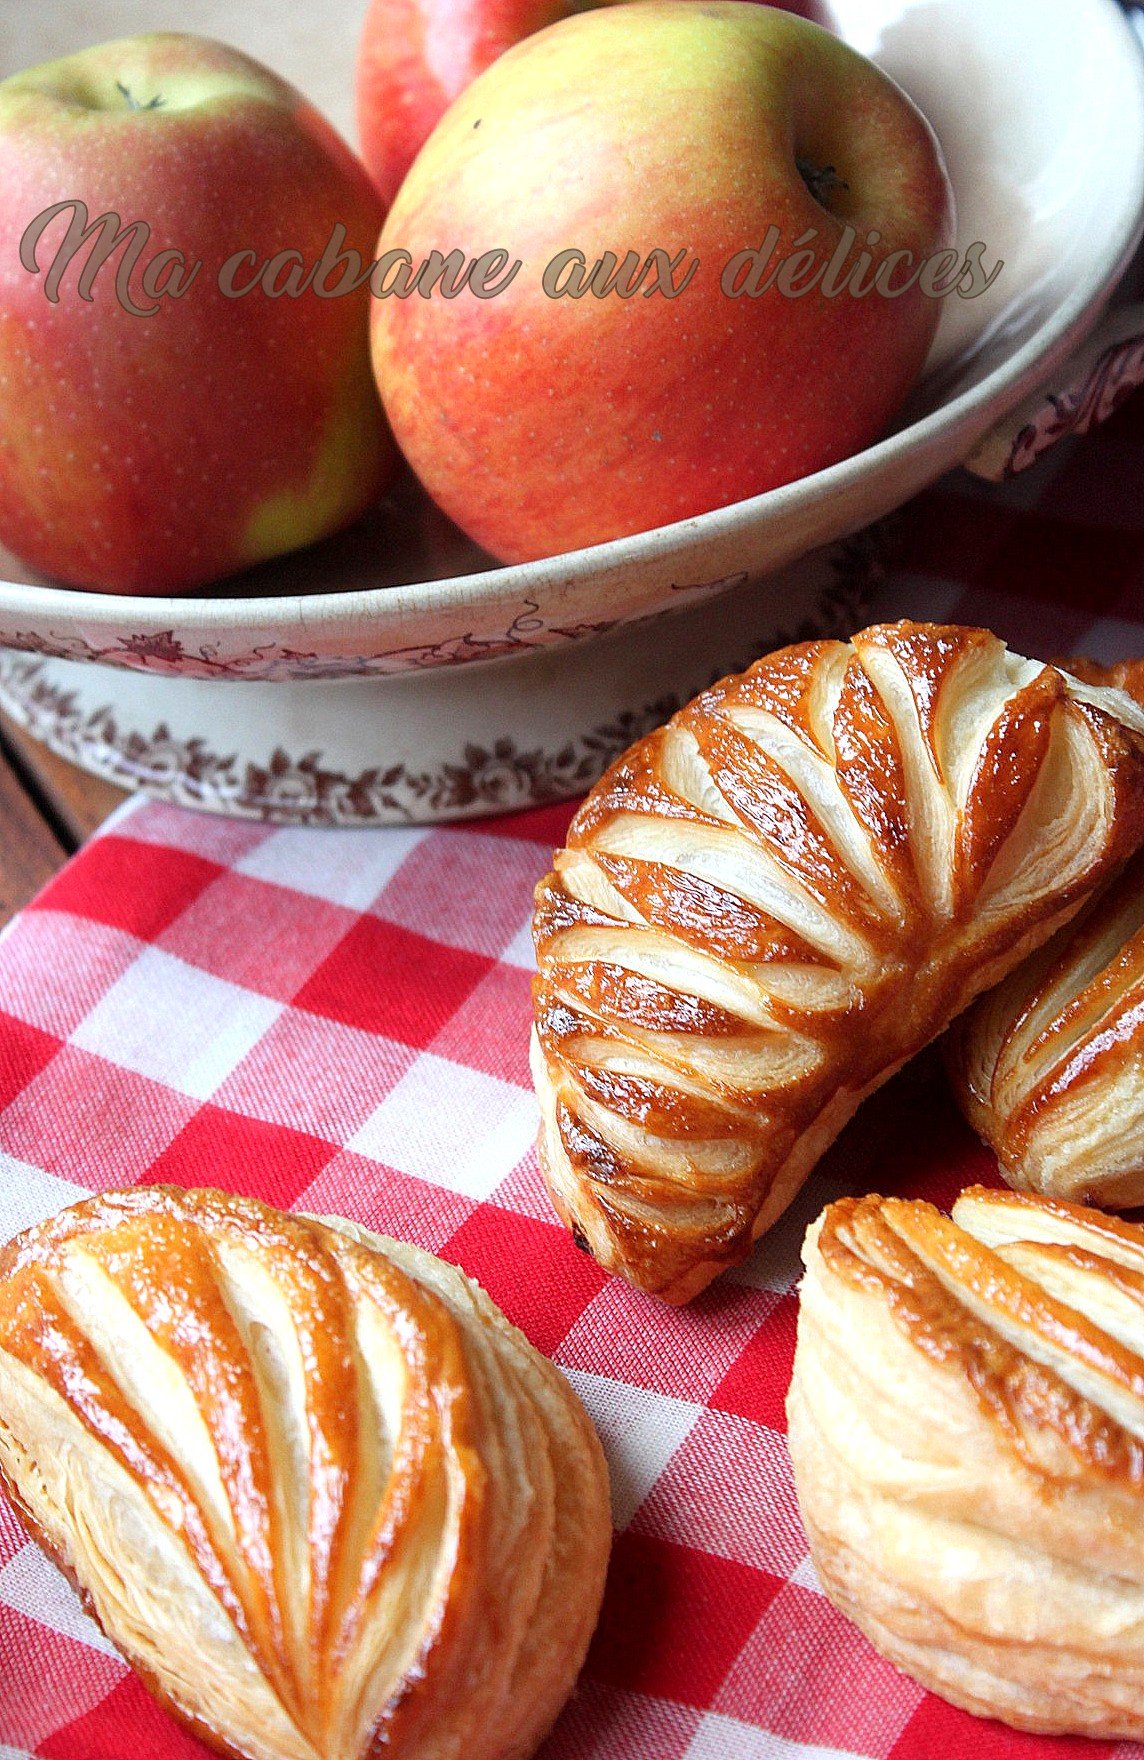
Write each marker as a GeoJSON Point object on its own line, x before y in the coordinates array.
{"type": "Point", "coordinates": [338, 1021]}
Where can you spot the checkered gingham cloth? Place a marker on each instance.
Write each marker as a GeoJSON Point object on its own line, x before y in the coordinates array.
{"type": "Point", "coordinates": [338, 1020]}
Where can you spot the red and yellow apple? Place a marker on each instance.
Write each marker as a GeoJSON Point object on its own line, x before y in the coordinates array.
{"type": "Point", "coordinates": [416, 56]}
{"type": "Point", "coordinates": [542, 424]}
{"type": "Point", "coordinates": [156, 453]}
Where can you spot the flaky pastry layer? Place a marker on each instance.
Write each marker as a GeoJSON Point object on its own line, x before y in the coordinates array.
{"type": "Point", "coordinates": [1049, 1067]}
{"type": "Point", "coordinates": [766, 907]}
{"type": "Point", "coordinates": [966, 1423]}
{"type": "Point", "coordinates": [312, 1484]}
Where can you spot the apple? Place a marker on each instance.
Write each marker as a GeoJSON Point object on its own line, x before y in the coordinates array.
{"type": "Point", "coordinates": [416, 56]}
{"type": "Point", "coordinates": [155, 453]}
{"type": "Point", "coordinates": [542, 424]}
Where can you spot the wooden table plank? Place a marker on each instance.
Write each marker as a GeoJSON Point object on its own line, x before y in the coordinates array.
{"type": "Point", "coordinates": [30, 852]}
{"type": "Point", "coordinates": [76, 802]}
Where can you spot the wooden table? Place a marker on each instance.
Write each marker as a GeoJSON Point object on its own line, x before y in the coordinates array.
{"type": "Point", "coordinates": [48, 808]}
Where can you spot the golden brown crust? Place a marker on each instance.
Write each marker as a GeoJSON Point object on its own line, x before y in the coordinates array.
{"type": "Point", "coordinates": [967, 1431]}
{"type": "Point", "coordinates": [765, 908]}
{"type": "Point", "coordinates": [1049, 1067]}
{"type": "Point", "coordinates": [1120, 675]}
{"type": "Point", "coordinates": [311, 1483]}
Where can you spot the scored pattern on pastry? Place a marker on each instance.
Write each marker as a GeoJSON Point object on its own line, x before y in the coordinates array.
{"type": "Point", "coordinates": [312, 1484]}
{"type": "Point", "coordinates": [1049, 1067]}
{"type": "Point", "coordinates": [764, 908]}
{"type": "Point", "coordinates": [966, 1423]}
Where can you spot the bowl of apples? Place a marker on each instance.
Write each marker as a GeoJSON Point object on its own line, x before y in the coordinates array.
{"type": "Point", "coordinates": [353, 493]}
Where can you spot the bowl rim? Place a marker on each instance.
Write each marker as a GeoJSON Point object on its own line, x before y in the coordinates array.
{"type": "Point", "coordinates": [975, 409]}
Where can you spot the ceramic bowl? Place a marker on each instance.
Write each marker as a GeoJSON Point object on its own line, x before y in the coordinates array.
{"type": "Point", "coordinates": [397, 673]}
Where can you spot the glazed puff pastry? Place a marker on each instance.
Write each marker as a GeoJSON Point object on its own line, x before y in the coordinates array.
{"type": "Point", "coordinates": [967, 1430]}
{"type": "Point", "coordinates": [313, 1485]}
{"type": "Point", "coordinates": [766, 907]}
{"type": "Point", "coordinates": [1049, 1067]}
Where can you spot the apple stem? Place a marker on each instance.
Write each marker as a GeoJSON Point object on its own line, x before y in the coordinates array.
{"type": "Point", "coordinates": [820, 180]}
{"type": "Point", "coordinates": [133, 103]}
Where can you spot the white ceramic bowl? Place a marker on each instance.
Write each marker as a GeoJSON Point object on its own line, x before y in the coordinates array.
{"type": "Point", "coordinates": [359, 699]}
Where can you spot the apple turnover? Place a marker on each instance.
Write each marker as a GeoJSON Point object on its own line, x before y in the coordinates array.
{"type": "Point", "coordinates": [967, 1430]}
{"type": "Point", "coordinates": [1049, 1067]}
{"type": "Point", "coordinates": [313, 1485]}
{"type": "Point", "coordinates": [764, 908]}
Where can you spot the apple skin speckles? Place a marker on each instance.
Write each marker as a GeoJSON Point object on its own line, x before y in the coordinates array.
{"type": "Point", "coordinates": [157, 454]}
{"type": "Point", "coordinates": [663, 128]}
